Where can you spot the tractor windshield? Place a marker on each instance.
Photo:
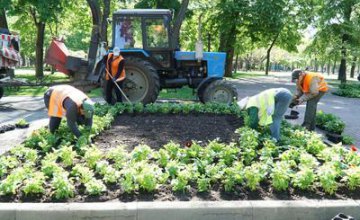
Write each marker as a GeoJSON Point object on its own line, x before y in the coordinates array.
{"type": "Point", "coordinates": [128, 33]}
{"type": "Point", "coordinates": [156, 33]}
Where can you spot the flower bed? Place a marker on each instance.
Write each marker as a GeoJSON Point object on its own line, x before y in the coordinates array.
{"type": "Point", "coordinates": [59, 168]}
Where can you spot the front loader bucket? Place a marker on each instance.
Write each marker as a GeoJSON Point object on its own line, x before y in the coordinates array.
{"type": "Point", "coordinates": [57, 55]}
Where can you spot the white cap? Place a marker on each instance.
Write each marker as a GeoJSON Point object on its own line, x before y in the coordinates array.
{"type": "Point", "coordinates": [243, 102]}
{"type": "Point", "coordinates": [116, 50]}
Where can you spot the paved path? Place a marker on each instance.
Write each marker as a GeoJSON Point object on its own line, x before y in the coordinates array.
{"type": "Point", "coordinates": [346, 108]}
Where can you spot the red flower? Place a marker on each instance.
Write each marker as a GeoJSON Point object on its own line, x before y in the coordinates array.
{"type": "Point", "coordinates": [353, 148]}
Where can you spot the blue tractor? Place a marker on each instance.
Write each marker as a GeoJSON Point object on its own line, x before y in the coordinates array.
{"type": "Point", "coordinates": [152, 62]}
{"type": "Point", "coordinates": [144, 38]}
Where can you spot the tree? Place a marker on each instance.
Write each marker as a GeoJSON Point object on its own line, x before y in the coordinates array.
{"type": "Point", "coordinates": [3, 21]}
{"type": "Point", "coordinates": [338, 18]}
{"type": "Point", "coordinates": [230, 20]}
{"type": "Point", "coordinates": [278, 22]}
{"type": "Point", "coordinates": [41, 12]}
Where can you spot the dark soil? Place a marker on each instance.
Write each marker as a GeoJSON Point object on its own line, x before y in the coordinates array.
{"type": "Point", "coordinates": [157, 130]}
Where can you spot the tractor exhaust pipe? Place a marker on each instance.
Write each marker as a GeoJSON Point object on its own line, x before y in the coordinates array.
{"type": "Point", "coordinates": [199, 44]}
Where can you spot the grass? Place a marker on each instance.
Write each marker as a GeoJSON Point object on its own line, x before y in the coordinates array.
{"type": "Point", "coordinates": [34, 90]}
{"type": "Point", "coordinates": [184, 93]}
{"type": "Point", "coordinates": [239, 74]}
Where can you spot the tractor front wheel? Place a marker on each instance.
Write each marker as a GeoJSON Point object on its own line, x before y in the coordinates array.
{"type": "Point", "coordinates": [220, 91]}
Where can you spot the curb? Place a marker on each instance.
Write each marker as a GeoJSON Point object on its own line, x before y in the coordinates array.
{"type": "Point", "coordinates": [199, 210]}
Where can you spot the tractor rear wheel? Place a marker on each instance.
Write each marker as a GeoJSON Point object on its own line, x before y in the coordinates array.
{"type": "Point", "coordinates": [141, 84]}
{"type": "Point", "coordinates": [220, 91]}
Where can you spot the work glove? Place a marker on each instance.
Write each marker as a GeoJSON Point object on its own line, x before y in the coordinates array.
{"type": "Point", "coordinates": [294, 103]}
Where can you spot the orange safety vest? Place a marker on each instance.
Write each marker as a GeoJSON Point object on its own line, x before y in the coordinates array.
{"type": "Point", "coordinates": [59, 94]}
{"type": "Point", "coordinates": [114, 67]}
{"type": "Point", "coordinates": [322, 86]}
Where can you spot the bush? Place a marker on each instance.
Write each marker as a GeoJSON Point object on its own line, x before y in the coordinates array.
{"type": "Point", "coordinates": [350, 91]}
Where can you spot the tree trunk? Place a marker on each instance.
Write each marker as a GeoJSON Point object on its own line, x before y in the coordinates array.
{"type": "Point", "coordinates": [334, 67]}
{"type": "Point", "coordinates": [104, 24]}
{"type": "Point", "coordinates": [328, 67]}
{"type": "Point", "coordinates": [3, 21]}
{"type": "Point", "coordinates": [236, 63]}
{"type": "Point", "coordinates": [342, 69]}
{"type": "Point", "coordinates": [227, 42]}
{"type": "Point", "coordinates": [353, 66]}
{"type": "Point", "coordinates": [268, 54]}
{"type": "Point", "coordinates": [39, 63]}
{"type": "Point", "coordinates": [178, 22]}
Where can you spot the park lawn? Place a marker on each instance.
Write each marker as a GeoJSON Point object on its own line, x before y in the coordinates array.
{"type": "Point", "coordinates": [241, 74]}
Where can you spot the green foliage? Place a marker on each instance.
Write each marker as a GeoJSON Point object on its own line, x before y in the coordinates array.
{"type": "Point", "coordinates": [330, 122]}
{"type": "Point", "coordinates": [203, 184]}
{"type": "Point", "coordinates": [327, 176]}
{"type": "Point", "coordinates": [63, 187]}
{"type": "Point", "coordinates": [280, 175]}
{"type": "Point", "coordinates": [34, 184]}
{"type": "Point", "coordinates": [304, 178]}
{"type": "Point", "coordinates": [348, 90]}
{"type": "Point", "coordinates": [82, 172]}
{"type": "Point", "coordinates": [352, 178]}
{"type": "Point", "coordinates": [95, 187]}
{"type": "Point", "coordinates": [254, 174]}
{"type": "Point", "coordinates": [22, 122]}
{"type": "Point", "coordinates": [141, 152]}
{"type": "Point", "coordinates": [92, 155]}
{"type": "Point", "coordinates": [67, 155]}
{"type": "Point", "coordinates": [10, 184]}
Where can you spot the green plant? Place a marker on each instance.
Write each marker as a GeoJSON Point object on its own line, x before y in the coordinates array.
{"type": "Point", "coordinates": [254, 174]}
{"type": "Point", "coordinates": [92, 155]}
{"type": "Point", "coordinates": [127, 180]}
{"type": "Point", "coordinates": [148, 178]}
{"type": "Point", "coordinates": [95, 187]}
{"type": "Point", "coordinates": [304, 178]}
{"type": "Point", "coordinates": [84, 173]}
{"type": "Point", "coordinates": [173, 149]}
{"type": "Point", "coordinates": [34, 184]}
{"type": "Point", "coordinates": [352, 177]}
{"type": "Point", "coordinates": [67, 155]}
{"type": "Point", "coordinates": [348, 140]}
{"type": "Point", "coordinates": [203, 184]}
{"type": "Point", "coordinates": [63, 187]}
{"type": "Point", "coordinates": [336, 126]}
{"type": "Point", "coordinates": [309, 161]}
{"type": "Point", "coordinates": [49, 166]}
{"type": "Point", "coordinates": [22, 122]}
{"type": "Point", "coordinates": [141, 152]}
{"type": "Point", "coordinates": [280, 175]}
{"type": "Point", "coordinates": [327, 175]}
{"type": "Point", "coordinates": [10, 184]}
{"type": "Point", "coordinates": [119, 155]}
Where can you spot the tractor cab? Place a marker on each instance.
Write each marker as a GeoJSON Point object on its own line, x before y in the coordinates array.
{"type": "Point", "coordinates": [144, 31]}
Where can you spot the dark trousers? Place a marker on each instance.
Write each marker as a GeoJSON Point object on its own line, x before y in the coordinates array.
{"type": "Point", "coordinates": [110, 87]}
{"type": "Point", "coordinates": [310, 112]}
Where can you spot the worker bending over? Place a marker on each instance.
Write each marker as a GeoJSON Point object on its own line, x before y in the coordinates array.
{"type": "Point", "coordinates": [267, 108]}
{"type": "Point", "coordinates": [115, 74]}
{"type": "Point", "coordinates": [310, 88]}
{"type": "Point", "coordinates": [65, 100]}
